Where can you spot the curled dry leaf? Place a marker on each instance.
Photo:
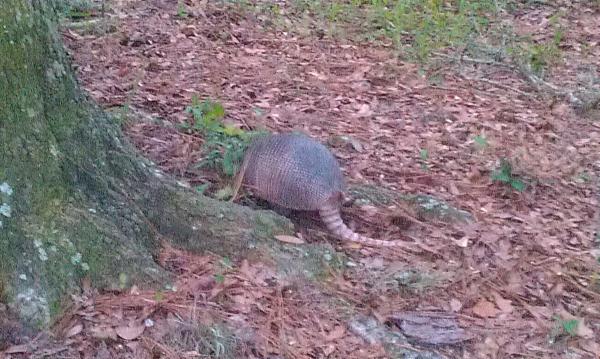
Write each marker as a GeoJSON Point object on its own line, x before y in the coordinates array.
{"type": "Point", "coordinates": [485, 309]}
{"type": "Point", "coordinates": [583, 330]}
{"type": "Point", "coordinates": [591, 346]}
{"type": "Point", "coordinates": [336, 333]}
{"type": "Point", "coordinates": [289, 239]}
{"type": "Point", "coordinates": [463, 242]}
{"type": "Point", "coordinates": [455, 304]}
{"type": "Point", "coordinates": [130, 333]}
{"type": "Point", "coordinates": [17, 349]}
{"type": "Point", "coordinates": [505, 305]}
{"type": "Point", "coordinates": [103, 332]}
{"type": "Point", "coordinates": [328, 350]}
{"type": "Point", "coordinates": [74, 330]}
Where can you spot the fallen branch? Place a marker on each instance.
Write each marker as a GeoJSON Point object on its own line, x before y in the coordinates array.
{"type": "Point", "coordinates": [542, 86]}
{"type": "Point", "coordinates": [500, 85]}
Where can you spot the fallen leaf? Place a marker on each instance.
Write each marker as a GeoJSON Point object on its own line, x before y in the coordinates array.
{"type": "Point", "coordinates": [328, 350]}
{"type": "Point", "coordinates": [591, 346]}
{"type": "Point", "coordinates": [130, 333]}
{"type": "Point", "coordinates": [463, 242]}
{"type": "Point", "coordinates": [16, 349]}
{"type": "Point", "coordinates": [336, 333]}
{"type": "Point", "coordinates": [487, 348]}
{"type": "Point", "coordinates": [505, 305]}
{"type": "Point", "coordinates": [455, 304]}
{"type": "Point", "coordinates": [319, 75]}
{"type": "Point", "coordinates": [103, 332]}
{"type": "Point", "coordinates": [583, 330]}
{"type": "Point", "coordinates": [373, 262]}
{"type": "Point", "coordinates": [364, 110]}
{"type": "Point", "coordinates": [74, 330]}
{"type": "Point", "coordinates": [289, 239]}
{"type": "Point", "coordinates": [485, 309]}
{"type": "Point", "coordinates": [453, 189]}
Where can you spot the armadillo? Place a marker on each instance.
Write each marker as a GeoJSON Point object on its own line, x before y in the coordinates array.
{"type": "Point", "coordinates": [294, 171]}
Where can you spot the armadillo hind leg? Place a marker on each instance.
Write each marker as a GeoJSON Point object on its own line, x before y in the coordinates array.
{"type": "Point", "coordinates": [330, 215]}
{"type": "Point", "coordinates": [239, 178]}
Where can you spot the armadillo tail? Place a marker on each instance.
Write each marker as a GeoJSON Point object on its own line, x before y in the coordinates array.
{"type": "Point", "coordinates": [330, 215]}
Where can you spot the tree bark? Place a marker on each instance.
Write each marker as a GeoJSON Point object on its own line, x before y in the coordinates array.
{"type": "Point", "coordinates": [75, 200]}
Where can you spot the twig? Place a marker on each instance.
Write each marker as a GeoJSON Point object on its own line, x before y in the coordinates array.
{"type": "Point", "coordinates": [540, 84]}
{"type": "Point", "coordinates": [500, 85]}
{"type": "Point", "coordinates": [570, 278]}
{"type": "Point", "coordinates": [470, 59]}
{"type": "Point", "coordinates": [524, 71]}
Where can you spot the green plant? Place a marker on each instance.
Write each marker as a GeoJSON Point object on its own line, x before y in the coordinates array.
{"type": "Point", "coordinates": [412, 281]}
{"type": "Point", "coordinates": [424, 156]}
{"type": "Point", "coordinates": [78, 9]}
{"type": "Point", "coordinates": [583, 177]}
{"type": "Point", "coordinates": [225, 265]}
{"type": "Point", "coordinates": [563, 328]}
{"type": "Point", "coordinates": [202, 188]}
{"type": "Point", "coordinates": [481, 142]}
{"type": "Point", "coordinates": [208, 341]}
{"type": "Point", "coordinates": [418, 27]}
{"type": "Point", "coordinates": [206, 115]}
{"type": "Point", "coordinates": [539, 56]}
{"type": "Point", "coordinates": [224, 145]}
{"type": "Point", "coordinates": [421, 27]}
{"type": "Point", "coordinates": [181, 10]}
{"type": "Point", "coordinates": [505, 175]}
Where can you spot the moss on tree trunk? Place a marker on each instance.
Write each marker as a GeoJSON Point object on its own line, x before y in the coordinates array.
{"type": "Point", "coordinates": [76, 201]}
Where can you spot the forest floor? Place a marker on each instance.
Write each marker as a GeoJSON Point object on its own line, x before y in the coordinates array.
{"type": "Point", "coordinates": [523, 279]}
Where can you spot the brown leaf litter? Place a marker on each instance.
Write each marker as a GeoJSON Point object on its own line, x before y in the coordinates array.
{"type": "Point", "coordinates": [525, 260]}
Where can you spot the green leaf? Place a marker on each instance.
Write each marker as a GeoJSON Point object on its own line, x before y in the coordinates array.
{"type": "Point", "coordinates": [224, 193]}
{"type": "Point", "coordinates": [202, 188]}
{"type": "Point", "coordinates": [481, 141]}
{"type": "Point", "coordinates": [159, 296]}
{"type": "Point", "coordinates": [517, 184]}
{"type": "Point", "coordinates": [183, 126]}
{"type": "Point", "coordinates": [122, 280]}
{"type": "Point", "coordinates": [226, 262]}
{"type": "Point", "coordinates": [570, 326]}
{"type": "Point", "coordinates": [229, 164]}
{"type": "Point", "coordinates": [214, 110]}
{"type": "Point", "coordinates": [231, 130]}
{"type": "Point", "coordinates": [501, 176]}
{"type": "Point", "coordinates": [219, 278]}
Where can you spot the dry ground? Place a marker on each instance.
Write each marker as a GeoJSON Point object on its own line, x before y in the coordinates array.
{"type": "Point", "coordinates": [514, 277]}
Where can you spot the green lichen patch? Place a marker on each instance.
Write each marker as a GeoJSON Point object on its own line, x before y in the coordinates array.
{"type": "Point", "coordinates": [312, 262]}
{"type": "Point", "coordinates": [425, 206]}
{"type": "Point", "coordinates": [371, 194]}
{"type": "Point", "coordinates": [59, 255]}
{"type": "Point", "coordinates": [429, 207]}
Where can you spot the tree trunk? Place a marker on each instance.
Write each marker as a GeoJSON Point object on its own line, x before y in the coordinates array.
{"type": "Point", "coordinates": [75, 200]}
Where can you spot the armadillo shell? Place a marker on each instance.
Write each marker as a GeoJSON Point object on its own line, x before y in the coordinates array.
{"type": "Point", "coordinates": [293, 171]}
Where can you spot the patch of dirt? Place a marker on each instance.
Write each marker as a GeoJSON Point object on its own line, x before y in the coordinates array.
{"type": "Point", "coordinates": [526, 260]}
